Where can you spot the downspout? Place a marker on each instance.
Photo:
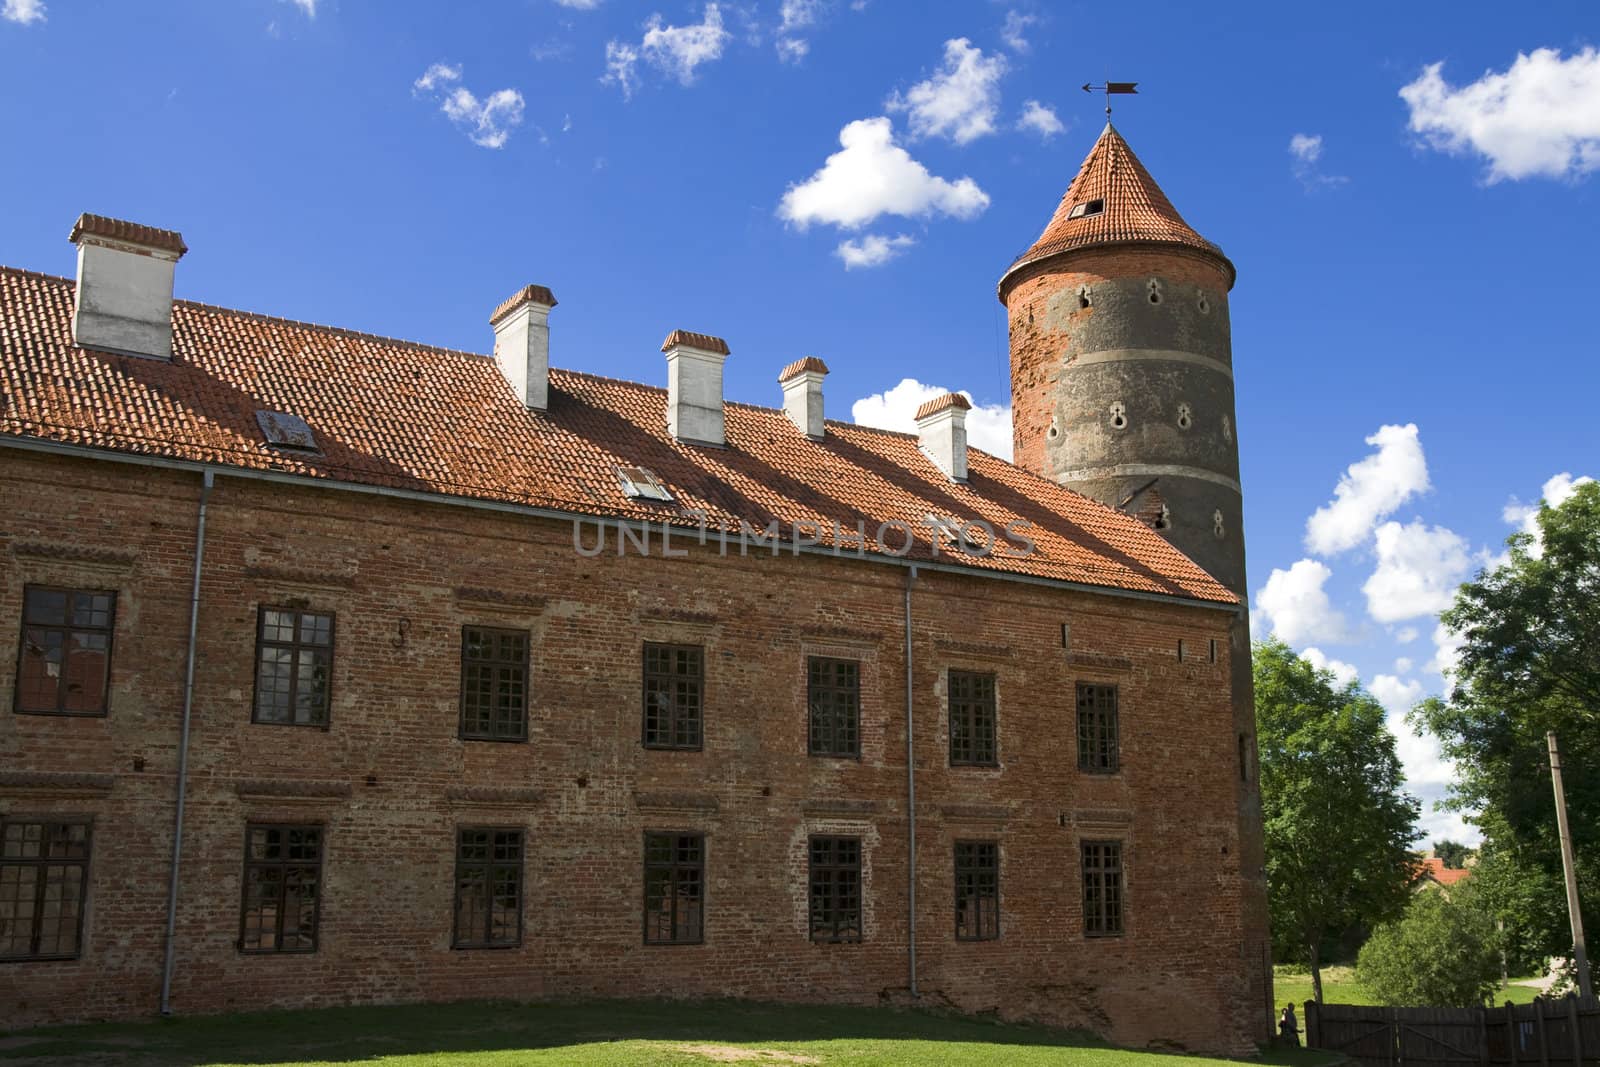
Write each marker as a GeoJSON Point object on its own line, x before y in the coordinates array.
{"type": "Point", "coordinates": [911, 805]}
{"type": "Point", "coordinates": [183, 747]}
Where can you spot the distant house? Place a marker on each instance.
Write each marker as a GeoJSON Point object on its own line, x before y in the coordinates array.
{"type": "Point", "coordinates": [1435, 875]}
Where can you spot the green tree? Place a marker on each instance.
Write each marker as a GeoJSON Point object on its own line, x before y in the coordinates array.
{"type": "Point", "coordinates": [1517, 896]}
{"type": "Point", "coordinates": [1339, 828]}
{"type": "Point", "coordinates": [1444, 952]}
{"type": "Point", "coordinates": [1530, 663]}
{"type": "Point", "coordinates": [1453, 854]}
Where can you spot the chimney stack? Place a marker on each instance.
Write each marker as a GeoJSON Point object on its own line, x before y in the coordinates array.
{"type": "Point", "coordinates": [124, 298]}
{"type": "Point", "coordinates": [522, 344]}
{"type": "Point", "coordinates": [694, 386]}
{"type": "Point", "coordinates": [942, 433]}
{"type": "Point", "coordinates": [802, 394]}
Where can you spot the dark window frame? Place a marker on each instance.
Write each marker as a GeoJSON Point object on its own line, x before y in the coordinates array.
{"type": "Point", "coordinates": [491, 663]}
{"type": "Point", "coordinates": [488, 867]}
{"type": "Point", "coordinates": [833, 723]}
{"type": "Point", "coordinates": [1104, 888]}
{"type": "Point", "coordinates": [294, 676]}
{"type": "Point", "coordinates": [674, 713]}
{"type": "Point", "coordinates": [43, 863]}
{"type": "Point", "coordinates": [673, 868]}
{"type": "Point", "coordinates": [251, 828]}
{"type": "Point", "coordinates": [976, 710]}
{"type": "Point", "coordinates": [1099, 728]}
{"type": "Point", "coordinates": [840, 920]}
{"type": "Point", "coordinates": [65, 627]}
{"type": "Point", "coordinates": [977, 878]}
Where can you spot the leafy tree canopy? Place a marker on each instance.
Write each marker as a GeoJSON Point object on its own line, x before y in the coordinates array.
{"type": "Point", "coordinates": [1453, 854]}
{"type": "Point", "coordinates": [1339, 827]}
{"type": "Point", "coordinates": [1444, 953]}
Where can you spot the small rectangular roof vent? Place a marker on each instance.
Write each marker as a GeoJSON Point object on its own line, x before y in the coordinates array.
{"type": "Point", "coordinates": [1086, 208]}
{"type": "Point", "coordinates": [283, 430]}
{"type": "Point", "coordinates": [641, 483]}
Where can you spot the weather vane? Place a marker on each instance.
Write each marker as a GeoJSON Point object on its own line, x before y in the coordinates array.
{"type": "Point", "coordinates": [1111, 87]}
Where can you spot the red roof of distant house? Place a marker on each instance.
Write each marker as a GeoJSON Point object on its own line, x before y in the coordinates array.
{"type": "Point", "coordinates": [411, 416]}
{"type": "Point", "coordinates": [1433, 869]}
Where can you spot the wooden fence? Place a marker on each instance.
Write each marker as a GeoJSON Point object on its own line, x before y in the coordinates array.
{"type": "Point", "coordinates": [1546, 1033]}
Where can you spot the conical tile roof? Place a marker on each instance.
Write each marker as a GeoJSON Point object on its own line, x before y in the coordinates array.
{"type": "Point", "coordinates": [1131, 207]}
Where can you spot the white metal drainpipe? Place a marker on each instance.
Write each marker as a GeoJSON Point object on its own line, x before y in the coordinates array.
{"type": "Point", "coordinates": [911, 804]}
{"type": "Point", "coordinates": [183, 748]}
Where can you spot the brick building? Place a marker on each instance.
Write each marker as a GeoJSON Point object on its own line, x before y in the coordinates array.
{"type": "Point", "coordinates": [351, 670]}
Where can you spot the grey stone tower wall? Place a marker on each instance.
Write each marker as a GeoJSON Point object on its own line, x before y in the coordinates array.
{"type": "Point", "coordinates": [1122, 374]}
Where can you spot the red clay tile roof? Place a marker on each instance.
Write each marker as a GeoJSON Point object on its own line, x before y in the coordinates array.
{"type": "Point", "coordinates": [695, 340]}
{"type": "Point", "coordinates": [1434, 870]}
{"type": "Point", "coordinates": [409, 416]}
{"type": "Point", "coordinates": [939, 403]}
{"type": "Point", "coordinates": [131, 232]}
{"type": "Point", "coordinates": [528, 294]}
{"type": "Point", "coordinates": [804, 364]}
{"type": "Point", "coordinates": [1133, 208]}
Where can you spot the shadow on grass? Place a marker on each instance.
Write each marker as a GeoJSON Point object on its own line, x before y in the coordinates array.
{"type": "Point", "coordinates": [364, 1033]}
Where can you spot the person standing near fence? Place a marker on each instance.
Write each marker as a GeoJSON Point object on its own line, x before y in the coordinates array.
{"type": "Point", "coordinates": [1289, 1027]}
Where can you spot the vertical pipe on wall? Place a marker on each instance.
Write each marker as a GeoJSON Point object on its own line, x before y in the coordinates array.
{"type": "Point", "coordinates": [911, 806]}
{"type": "Point", "coordinates": [183, 747]}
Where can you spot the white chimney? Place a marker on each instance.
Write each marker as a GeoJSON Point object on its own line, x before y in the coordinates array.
{"type": "Point", "coordinates": [694, 386]}
{"type": "Point", "coordinates": [802, 394]}
{"type": "Point", "coordinates": [522, 344]}
{"type": "Point", "coordinates": [942, 433]}
{"type": "Point", "coordinates": [124, 300]}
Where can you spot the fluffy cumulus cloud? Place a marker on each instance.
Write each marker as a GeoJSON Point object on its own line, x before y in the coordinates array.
{"type": "Point", "coordinates": [676, 51]}
{"type": "Point", "coordinates": [1538, 118]}
{"type": "Point", "coordinates": [23, 11]}
{"type": "Point", "coordinates": [873, 250]}
{"type": "Point", "coordinates": [487, 122]}
{"type": "Point", "coordinates": [1305, 161]}
{"type": "Point", "coordinates": [1370, 490]}
{"type": "Point", "coordinates": [1039, 119]}
{"type": "Point", "coordinates": [1525, 517]}
{"type": "Point", "coordinates": [1447, 651]}
{"type": "Point", "coordinates": [988, 425]}
{"type": "Point", "coordinates": [1015, 31]}
{"type": "Point", "coordinates": [871, 176]}
{"type": "Point", "coordinates": [1298, 607]}
{"type": "Point", "coordinates": [1343, 673]}
{"type": "Point", "coordinates": [1395, 694]}
{"type": "Point", "coordinates": [962, 99]}
{"type": "Point", "coordinates": [1419, 568]}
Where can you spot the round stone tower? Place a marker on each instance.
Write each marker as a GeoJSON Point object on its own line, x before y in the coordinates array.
{"type": "Point", "coordinates": [1122, 389]}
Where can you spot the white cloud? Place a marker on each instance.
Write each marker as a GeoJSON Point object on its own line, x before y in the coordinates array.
{"type": "Point", "coordinates": [678, 50]}
{"type": "Point", "coordinates": [873, 250]}
{"type": "Point", "coordinates": [988, 425]}
{"type": "Point", "coordinates": [797, 16]}
{"type": "Point", "coordinates": [580, 5]}
{"type": "Point", "coordinates": [1405, 635]}
{"type": "Point", "coordinates": [1403, 665]}
{"type": "Point", "coordinates": [1395, 695]}
{"type": "Point", "coordinates": [1013, 33]}
{"type": "Point", "coordinates": [23, 11]}
{"type": "Point", "coordinates": [962, 98]}
{"type": "Point", "coordinates": [1370, 490]}
{"type": "Point", "coordinates": [1040, 119]}
{"type": "Point", "coordinates": [873, 176]}
{"type": "Point", "coordinates": [1298, 606]}
{"type": "Point", "coordinates": [1526, 516]}
{"type": "Point", "coordinates": [1539, 118]}
{"type": "Point", "coordinates": [308, 6]}
{"type": "Point", "coordinates": [622, 62]}
{"type": "Point", "coordinates": [488, 122]}
{"type": "Point", "coordinates": [1343, 673]}
{"type": "Point", "coordinates": [1447, 651]}
{"type": "Point", "coordinates": [1419, 568]}
{"type": "Point", "coordinates": [1305, 160]}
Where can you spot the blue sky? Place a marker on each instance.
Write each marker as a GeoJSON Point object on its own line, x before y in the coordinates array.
{"type": "Point", "coordinates": [1415, 244]}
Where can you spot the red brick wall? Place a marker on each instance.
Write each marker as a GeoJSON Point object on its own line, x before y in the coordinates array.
{"type": "Point", "coordinates": [394, 573]}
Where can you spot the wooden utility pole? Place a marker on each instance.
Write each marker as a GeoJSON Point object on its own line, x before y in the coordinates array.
{"type": "Point", "coordinates": [1579, 955]}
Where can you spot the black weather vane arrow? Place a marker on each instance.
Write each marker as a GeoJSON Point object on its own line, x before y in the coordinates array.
{"type": "Point", "coordinates": [1109, 88]}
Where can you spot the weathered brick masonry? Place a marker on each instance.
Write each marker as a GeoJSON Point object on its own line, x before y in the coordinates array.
{"type": "Point", "coordinates": [390, 779]}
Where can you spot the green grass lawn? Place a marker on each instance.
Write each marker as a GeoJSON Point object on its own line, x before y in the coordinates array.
{"type": "Point", "coordinates": [1339, 986]}
{"type": "Point", "coordinates": [588, 1034]}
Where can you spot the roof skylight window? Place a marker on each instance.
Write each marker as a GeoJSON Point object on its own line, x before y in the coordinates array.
{"type": "Point", "coordinates": [1086, 208]}
{"type": "Point", "coordinates": [641, 483]}
{"type": "Point", "coordinates": [283, 430]}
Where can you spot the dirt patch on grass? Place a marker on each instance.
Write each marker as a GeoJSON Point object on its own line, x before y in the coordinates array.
{"type": "Point", "coordinates": [735, 1054]}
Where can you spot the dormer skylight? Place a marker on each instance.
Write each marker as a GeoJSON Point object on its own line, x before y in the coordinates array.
{"type": "Point", "coordinates": [641, 483]}
{"type": "Point", "coordinates": [1086, 208]}
{"type": "Point", "coordinates": [283, 430]}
